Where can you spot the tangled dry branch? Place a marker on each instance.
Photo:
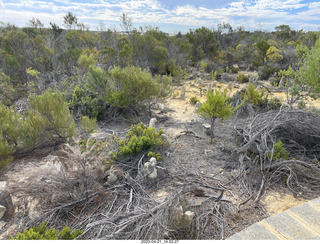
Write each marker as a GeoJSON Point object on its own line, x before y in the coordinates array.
{"type": "Point", "coordinates": [78, 194]}
{"type": "Point", "coordinates": [299, 133]}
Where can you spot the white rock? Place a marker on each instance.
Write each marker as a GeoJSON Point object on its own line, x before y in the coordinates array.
{"type": "Point", "coordinates": [146, 168]}
{"type": "Point", "coordinates": [183, 93]}
{"type": "Point", "coordinates": [2, 211]}
{"type": "Point", "coordinates": [2, 224]}
{"type": "Point", "coordinates": [153, 175]}
{"type": "Point", "coordinates": [188, 216]}
{"type": "Point", "coordinates": [198, 104]}
{"type": "Point", "coordinates": [153, 160]}
{"type": "Point", "coordinates": [163, 108]}
{"type": "Point", "coordinates": [111, 178]}
{"type": "Point", "coordinates": [207, 128]}
{"type": "Point", "coordinates": [152, 122]}
{"type": "Point", "coordinates": [149, 168]}
{"type": "Point", "coordinates": [282, 82]}
{"type": "Point", "coordinates": [179, 215]}
{"type": "Point", "coordinates": [3, 185]}
{"type": "Point", "coordinates": [32, 208]}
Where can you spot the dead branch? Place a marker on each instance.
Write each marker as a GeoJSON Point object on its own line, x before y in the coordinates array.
{"type": "Point", "coordinates": [299, 133]}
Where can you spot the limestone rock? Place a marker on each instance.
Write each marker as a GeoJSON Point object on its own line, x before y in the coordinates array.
{"type": "Point", "coordinates": [153, 160]}
{"type": "Point", "coordinates": [153, 175]}
{"type": "Point", "coordinates": [183, 93]}
{"type": "Point", "coordinates": [163, 108]}
{"type": "Point", "coordinates": [111, 178]}
{"type": "Point", "coordinates": [282, 82]}
{"type": "Point", "coordinates": [3, 185]}
{"type": "Point", "coordinates": [152, 122]}
{"type": "Point", "coordinates": [149, 169]}
{"type": "Point", "coordinates": [271, 80]}
{"type": "Point", "coordinates": [198, 104]}
{"type": "Point", "coordinates": [32, 207]}
{"type": "Point", "coordinates": [2, 224]}
{"type": "Point", "coordinates": [187, 219]}
{"type": "Point", "coordinates": [115, 173]}
{"type": "Point", "coordinates": [183, 220]}
{"type": "Point", "coordinates": [3, 210]}
{"type": "Point", "coordinates": [5, 199]}
{"type": "Point", "coordinates": [207, 129]}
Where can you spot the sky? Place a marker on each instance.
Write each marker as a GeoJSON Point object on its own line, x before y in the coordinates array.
{"type": "Point", "coordinates": [170, 16]}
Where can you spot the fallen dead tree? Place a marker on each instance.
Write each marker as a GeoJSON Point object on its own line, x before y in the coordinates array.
{"type": "Point", "coordinates": [280, 146]}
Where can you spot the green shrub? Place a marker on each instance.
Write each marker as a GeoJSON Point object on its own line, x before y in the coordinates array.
{"type": "Point", "coordinates": [242, 78]}
{"type": "Point", "coordinates": [96, 151]}
{"type": "Point", "coordinates": [6, 89]}
{"type": "Point", "coordinates": [194, 100]}
{"type": "Point", "coordinates": [42, 232]}
{"type": "Point", "coordinates": [131, 87]}
{"type": "Point", "coordinates": [87, 124]}
{"type": "Point", "coordinates": [214, 75]}
{"type": "Point", "coordinates": [234, 69]}
{"type": "Point", "coordinates": [47, 119]}
{"type": "Point", "coordinates": [51, 111]}
{"type": "Point", "coordinates": [277, 80]}
{"type": "Point", "coordinates": [302, 104]}
{"type": "Point", "coordinates": [5, 151]}
{"type": "Point", "coordinates": [279, 152]}
{"type": "Point", "coordinates": [275, 103]}
{"type": "Point", "coordinates": [217, 105]}
{"type": "Point", "coordinates": [255, 96]}
{"type": "Point", "coordinates": [155, 155]}
{"type": "Point", "coordinates": [83, 145]}
{"type": "Point", "coordinates": [175, 70]}
{"type": "Point", "coordinates": [266, 71]}
{"type": "Point", "coordinates": [10, 124]}
{"type": "Point", "coordinates": [163, 86]}
{"type": "Point", "coordinates": [84, 102]}
{"type": "Point", "coordinates": [86, 60]}
{"type": "Point", "coordinates": [139, 139]}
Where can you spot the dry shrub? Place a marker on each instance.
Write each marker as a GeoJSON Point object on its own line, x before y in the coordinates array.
{"type": "Point", "coordinates": [299, 133]}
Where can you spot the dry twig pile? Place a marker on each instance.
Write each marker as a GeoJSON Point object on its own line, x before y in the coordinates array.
{"type": "Point", "coordinates": [299, 131]}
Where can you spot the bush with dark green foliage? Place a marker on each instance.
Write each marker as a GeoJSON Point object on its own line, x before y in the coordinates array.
{"type": "Point", "coordinates": [42, 232]}
{"type": "Point", "coordinates": [274, 103]}
{"type": "Point", "coordinates": [88, 125]}
{"type": "Point", "coordinates": [127, 88]}
{"type": "Point", "coordinates": [5, 152]}
{"type": "Point", "coordinates": [255, 96]}
{"type": "Point", "coordinates": [48, 120]}
{"type": "Point", "coordinates": [266, 71]}
{"type": "Point", "coordinates": [140, 138]}
{"type": "Point", "coordinates": [279, 152]}
{"type": "Point", "coordinates": [83, 101]}
{"type": "Point", "coordinates": [233, 69]}
{"type": "Point", "coordinates": [175, 70]}
{"type": "Point", "coordinates": [242, 78]}
{"type": "Point", "coordinates": [51, 111]}
{"type": "Point", "coordinates": [194, 100]}
{"type": "Point", "coordinates": [130, 87]}
{"type": "Point", "coordinates": [217, 105]}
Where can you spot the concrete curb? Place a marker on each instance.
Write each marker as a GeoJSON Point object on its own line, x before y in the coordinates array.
{"type": "Point", "coordinates": [299, 223]}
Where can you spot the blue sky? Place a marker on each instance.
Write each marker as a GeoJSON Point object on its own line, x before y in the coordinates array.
{"type": "Point", "coordinates": [169, 15]}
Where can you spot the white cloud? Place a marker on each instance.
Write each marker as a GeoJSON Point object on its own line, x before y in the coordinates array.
{"type": "Point", "coordinates": [247, 13]}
